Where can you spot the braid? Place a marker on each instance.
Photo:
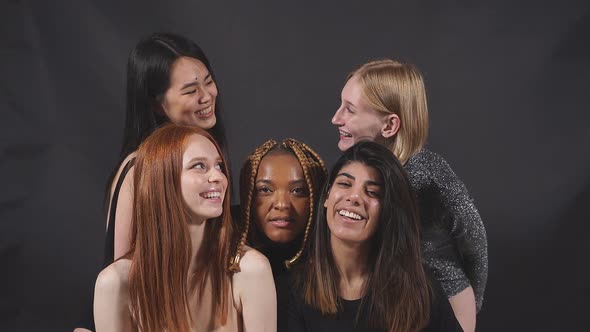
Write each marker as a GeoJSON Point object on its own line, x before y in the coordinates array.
{"type": "Point", "coordinates": [247, 181]}
{"type": "Point", "coordinates": [315, 172]}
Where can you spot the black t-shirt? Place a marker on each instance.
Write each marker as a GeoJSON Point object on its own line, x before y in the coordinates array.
{"type": "Point", "coordinates": [304, 318]}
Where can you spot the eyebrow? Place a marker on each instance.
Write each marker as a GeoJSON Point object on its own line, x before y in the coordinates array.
{"type": "Point", "coordinates": [192, 160]}
{"type": "Point", "coordinates": [196, 159]}
{"type": "Point", "coordinates": [290, 182]}
{"type": "Point", "coordinates": [371, 183]}
{"type": "Point", "coordinates": [194, 83]}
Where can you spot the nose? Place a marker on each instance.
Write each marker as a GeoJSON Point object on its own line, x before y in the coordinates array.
{"type": "Point", "coordinates": [217, 176]}
{"type": "Point", "coordinates": [281, 200]}
{"type": "Point", "coordinates": [337, 118]}
{"type": "Point", "coordinates": [204, 95]}
{"type": "Point", "coordinates": [354, 196]}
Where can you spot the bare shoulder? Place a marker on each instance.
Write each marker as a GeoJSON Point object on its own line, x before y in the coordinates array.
{"type": "Point", "coordinates": [254, 262]}
{"type": "Point", "coordinates": [127, 159]}
{"type": "Point", "coordinates": [114, 278]}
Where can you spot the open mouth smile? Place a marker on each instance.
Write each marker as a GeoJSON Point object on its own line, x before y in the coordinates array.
{"type": "Point", "coordinates": [205, 113]}
{"type": "Point", "coordinates": [350, 215]}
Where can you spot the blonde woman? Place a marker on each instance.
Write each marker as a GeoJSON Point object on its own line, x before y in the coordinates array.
{"type": "Point", "coordinates": [385, 101]}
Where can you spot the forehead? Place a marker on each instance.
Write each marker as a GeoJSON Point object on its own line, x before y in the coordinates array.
{"type": "Point", "coordinates": [361, 172]}
{"type": "Point", "coordinates": [353, 89]}
{"type": "Point", "coordinates": [198, 146]}
{"type": "Point", "coordinates": [279, 166]}
{"type": "Point", "coordinates": [186, 69]}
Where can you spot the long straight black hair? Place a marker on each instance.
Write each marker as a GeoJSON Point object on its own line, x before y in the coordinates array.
{"type": "Point", "coordinates": [148, 77]}
{"type": "Point", "coordinates": [396, 295]}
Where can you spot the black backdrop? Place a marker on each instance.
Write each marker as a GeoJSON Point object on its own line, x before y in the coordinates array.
{"type": "Point", "coordinates": [507, 95]}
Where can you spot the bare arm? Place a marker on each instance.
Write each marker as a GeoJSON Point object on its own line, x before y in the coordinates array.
{"type": "Point", "coordinates": [124, 211]}
{"type": "Point", "coordinates": [111, 301]}
{"type": "Point", "coordinates": [255, 288]}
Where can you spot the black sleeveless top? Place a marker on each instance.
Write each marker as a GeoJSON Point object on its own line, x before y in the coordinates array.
{"type": "Point", "coordinates": [109, 245]}
{"type": "Point", "coordinates": [87, 320]}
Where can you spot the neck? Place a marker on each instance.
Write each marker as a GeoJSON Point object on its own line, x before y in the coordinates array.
{"type": "Point", "coordinates": [196, 230]}
{"type": "Point", "coordinates": [352, 261]}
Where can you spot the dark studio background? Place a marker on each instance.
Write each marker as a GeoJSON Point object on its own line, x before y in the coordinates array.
{"type": "Point", "coordinates": [507, 87]}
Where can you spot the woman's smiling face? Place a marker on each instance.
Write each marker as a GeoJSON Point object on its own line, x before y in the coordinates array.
{"type": "Point", "coordinates": [190, 99]}
{"type": "Point", "coordinates": [354, 203]}
{"type": "Point", "coordinates": [203, 182]}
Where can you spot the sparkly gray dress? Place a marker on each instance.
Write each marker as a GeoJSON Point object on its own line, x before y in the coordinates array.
{"type": "Point", "coordinates": [454, 238]}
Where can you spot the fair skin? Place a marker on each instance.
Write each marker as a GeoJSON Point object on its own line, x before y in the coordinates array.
{"type": "Point", "coordinates": [356, 120]}
{"type": "Point", "coordinates": [190, 100]}
{"type": "Point", "coordinates": [203, 187]}
{"type": "Point", "coordinates": [352, 213]}
{"type": "Point", "coordinates": [281, 201]}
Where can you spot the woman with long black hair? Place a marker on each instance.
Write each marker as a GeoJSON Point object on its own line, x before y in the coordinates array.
{"type": "Point", "coordinates": [169, 79]}
{"type": "Point", "coordinates": [364, 268]}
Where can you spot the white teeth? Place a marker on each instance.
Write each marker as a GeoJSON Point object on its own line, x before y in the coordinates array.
{"type": "Point", "coordinates": [343, 133]}
{"type": "Point", "coordinates": [212, 194]}
{"type": "Point", "coordinates": [349, 214]}
{"type": "Point", "coordinates": [204, 111]}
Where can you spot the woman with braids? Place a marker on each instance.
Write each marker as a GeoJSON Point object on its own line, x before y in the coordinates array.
{"type": "Point", "coordinates": [177, 274]}
{"type": "Point", "coordinates": [385, 101]}
{"type": "Point", "coordinates": [169, 79]}
{"type": "Point", "coordinates": [364, 267]}
{"type": "Point", "coordinates": [279, 185]}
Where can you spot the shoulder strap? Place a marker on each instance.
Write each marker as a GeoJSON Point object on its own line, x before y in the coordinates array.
{"type": "Point", "coordinates": [109, 247]}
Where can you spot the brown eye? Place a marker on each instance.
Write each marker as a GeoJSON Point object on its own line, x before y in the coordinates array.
{"type": "Point", "coordinates": [198, 166]}
{"type": "Point", "coordinates": [299, 191]}
{"type": "Point", "coordinates": [264, 190]}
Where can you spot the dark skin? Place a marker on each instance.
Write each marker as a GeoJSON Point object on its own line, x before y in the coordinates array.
{"type": "Point", "coordinates": [281, 199]}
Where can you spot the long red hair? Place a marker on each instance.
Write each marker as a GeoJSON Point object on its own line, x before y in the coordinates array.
{"type": "Point", "coordinates": [159, 280]}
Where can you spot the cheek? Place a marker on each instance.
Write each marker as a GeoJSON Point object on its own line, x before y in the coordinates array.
{"type": "Point", "coordinates": [187, 188]}
{"type": "Point", "coordinates": [258, 211]}
{"type": "Point", "coordinates": [302, 207]}
{"type": "Point", "coordinates": [365, 126]}
{"type": "Point", "coordinates": [213, 90]}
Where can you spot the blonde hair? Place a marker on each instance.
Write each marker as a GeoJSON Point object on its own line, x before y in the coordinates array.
{"type": "Point", "coordinates": [314, 171]}
{"type": "Point", "coordinates": [391, 87]}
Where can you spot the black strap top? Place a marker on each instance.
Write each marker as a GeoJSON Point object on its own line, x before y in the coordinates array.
{"type": "Point", "coordinates": [109, 245]}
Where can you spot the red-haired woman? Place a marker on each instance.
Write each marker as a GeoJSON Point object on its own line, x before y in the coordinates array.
{"type": "Point", "coordinates": [177, 275]}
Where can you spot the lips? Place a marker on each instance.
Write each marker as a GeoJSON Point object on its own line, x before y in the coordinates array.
{"type": "Point", "coordinates": [281, 221]}
{"type": "Point", "coordinates": [205, 112]}
{"type": "Point", "coordinates": [344, 134]}
{"type": "Point", "coordinates": [212, 195]}
{"type": "Point", "coordinates": [350, 215]}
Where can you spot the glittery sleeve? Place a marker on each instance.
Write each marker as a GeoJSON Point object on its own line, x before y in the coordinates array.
{"type": "Point", "coordinates": [465, 224]}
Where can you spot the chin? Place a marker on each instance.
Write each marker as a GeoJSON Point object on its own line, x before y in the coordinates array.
{"type": "Point", "coordinates": [207, 124]}
{"type": "Point", "coordinates": [343, 146]}
{"type": "Point", "coordinates": [280, 237]}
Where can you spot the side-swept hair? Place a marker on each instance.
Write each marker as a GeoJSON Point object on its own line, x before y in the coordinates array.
{"type": "Point", "coordinates": [392, 87]}
{"type": "Point", "coordinates": [314, 172]}
{"type": "Point", "coordinates": [396, 295]}
{"type": "Point", "coordinates": [159, 280]}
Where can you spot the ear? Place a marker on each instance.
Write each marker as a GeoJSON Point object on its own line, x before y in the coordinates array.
{"type": "Point", "coordinates": [159, 106]}
{"type": "Point", "coordinates": [326, 201]}
{"type": "Point", "coordinates": [391, 125]}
